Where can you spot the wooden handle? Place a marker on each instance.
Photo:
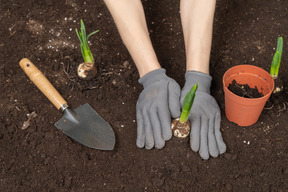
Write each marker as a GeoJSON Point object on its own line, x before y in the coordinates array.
{"type": "Point", "coordinates": [38, 78]}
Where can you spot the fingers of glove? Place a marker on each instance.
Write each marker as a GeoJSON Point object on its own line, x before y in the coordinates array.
{"type": "Point", "coordinates": [195, 132]}
{"type": "Point", "coordinates": [156, 126]}
{"type": "Point", "coordinates": [174, 98]}
{"type": "Point", "coordinates": [213, 148]}
{"type": "Point", "coordinates": [149, 140]}
{"type": "Point", "coordinates": [165, 120]}
{"type": "Point", "coordinates": [140, 141]}
{"type": "Point", "coordinates": [220, 143]}
{"type": "Point", "coordinates": [203, 151]}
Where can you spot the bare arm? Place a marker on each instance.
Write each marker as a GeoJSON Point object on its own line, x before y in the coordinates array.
{"type": "Point", "coordinates": [130, 20]}
{"type": "Point", "coordinates": [197, 22]}
{"type": "Point", "coordinates": [159, 100]}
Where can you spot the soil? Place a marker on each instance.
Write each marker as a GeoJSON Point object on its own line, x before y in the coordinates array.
{"type": "Point", "coordinates": [42, 158]}
{"type": "Point", "coordinates": [244, 90]}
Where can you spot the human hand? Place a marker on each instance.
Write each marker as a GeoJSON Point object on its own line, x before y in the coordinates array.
{"type": "Point", "coordinates": [205, 117]}
{"type": "Point", "coordinates": [156, 104]}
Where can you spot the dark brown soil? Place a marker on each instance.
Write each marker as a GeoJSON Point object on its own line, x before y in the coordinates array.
{"type": "Point", "coordinates": [42, 158]}
{"type": "Point", "coordinates": [244, 90]}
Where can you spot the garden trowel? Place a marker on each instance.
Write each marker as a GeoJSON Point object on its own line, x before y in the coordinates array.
{"type": "Point", "coordinates": [82, 124]}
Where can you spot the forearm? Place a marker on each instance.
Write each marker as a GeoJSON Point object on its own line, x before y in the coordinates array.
{"type": "Point", "coordinates": [130, 20]}
{"type": "Point", "coordinates": [197, 21]}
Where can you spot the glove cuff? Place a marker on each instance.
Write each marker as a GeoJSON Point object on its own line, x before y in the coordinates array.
{"type": "Point", "coordinates": [152, 77]}
{"type": "Point", "coordinates": [204, 80]}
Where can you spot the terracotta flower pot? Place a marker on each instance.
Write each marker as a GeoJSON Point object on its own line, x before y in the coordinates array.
{"type": "Point", "coordinates": [246, 111]}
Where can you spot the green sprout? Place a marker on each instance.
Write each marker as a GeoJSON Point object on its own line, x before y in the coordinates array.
{"type": "Point", "coordinates": [274, 70]}
{"type": "Point", "coordinates": [85, 50]}
{"type": "Point", "coordinates": [187, 104]}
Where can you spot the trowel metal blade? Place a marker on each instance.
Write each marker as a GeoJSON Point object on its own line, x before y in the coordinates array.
{"type": "Point", "coordinates": [86, 126]}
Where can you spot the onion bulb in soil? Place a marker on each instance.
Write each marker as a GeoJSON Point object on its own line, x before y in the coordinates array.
{"type": "Point", "coordinates": [278, 86]}
{"type": "Point", "coordinates": [86, 70]}
{"type": "Point", "coordinates": [179, 129]}
{"type": "Point", "coordinates": [181, 126]}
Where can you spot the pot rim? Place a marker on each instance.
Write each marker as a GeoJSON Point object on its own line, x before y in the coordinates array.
{"type": "Point", "coordinates": [270, 85]}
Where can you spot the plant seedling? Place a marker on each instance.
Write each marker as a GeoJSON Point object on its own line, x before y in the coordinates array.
{"type": "Point", "coordinates": [86, 70]}
{"type": "Point", "coordinates": [274, 70]}
{"type": "Point", "coordinates": [181, 126]}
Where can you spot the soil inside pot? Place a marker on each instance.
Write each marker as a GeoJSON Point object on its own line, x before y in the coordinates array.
{"type": "Point", "coordinates": [244, 90]}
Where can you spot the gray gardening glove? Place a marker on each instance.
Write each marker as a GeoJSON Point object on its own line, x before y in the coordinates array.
{"type": "Point", "coordinates": [159, 100]}
{"type": "Point", "coordinates": [205, 117]}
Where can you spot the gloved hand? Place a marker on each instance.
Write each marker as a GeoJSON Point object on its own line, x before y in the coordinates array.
{"type": "Point", "coordinates": [205, 117]}
{"type": "Point", "coordinates": [159, 100]}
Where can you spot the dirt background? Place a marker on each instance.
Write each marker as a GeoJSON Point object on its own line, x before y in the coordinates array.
{"type": "Point", "coordinates": [42, 158]}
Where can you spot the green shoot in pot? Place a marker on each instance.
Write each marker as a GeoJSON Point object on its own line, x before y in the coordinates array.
{"type": "Point", "coordinates": [181, 126]}
{"type": "Point", "coordinates": [86, 70]}
{"type": "Point", "coordinates": [274, 70]}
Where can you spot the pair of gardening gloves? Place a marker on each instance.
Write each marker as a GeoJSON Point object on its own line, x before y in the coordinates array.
{"type": "Point", "coordinates": [163, 98]}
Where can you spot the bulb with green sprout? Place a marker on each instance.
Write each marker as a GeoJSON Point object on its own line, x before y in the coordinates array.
{"type": "Point", "coordinates": [181, 126]}
{"type": "Point", "coordinates": [86, 70]}
{"type": "Point", "coordinates": [274, 70]}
